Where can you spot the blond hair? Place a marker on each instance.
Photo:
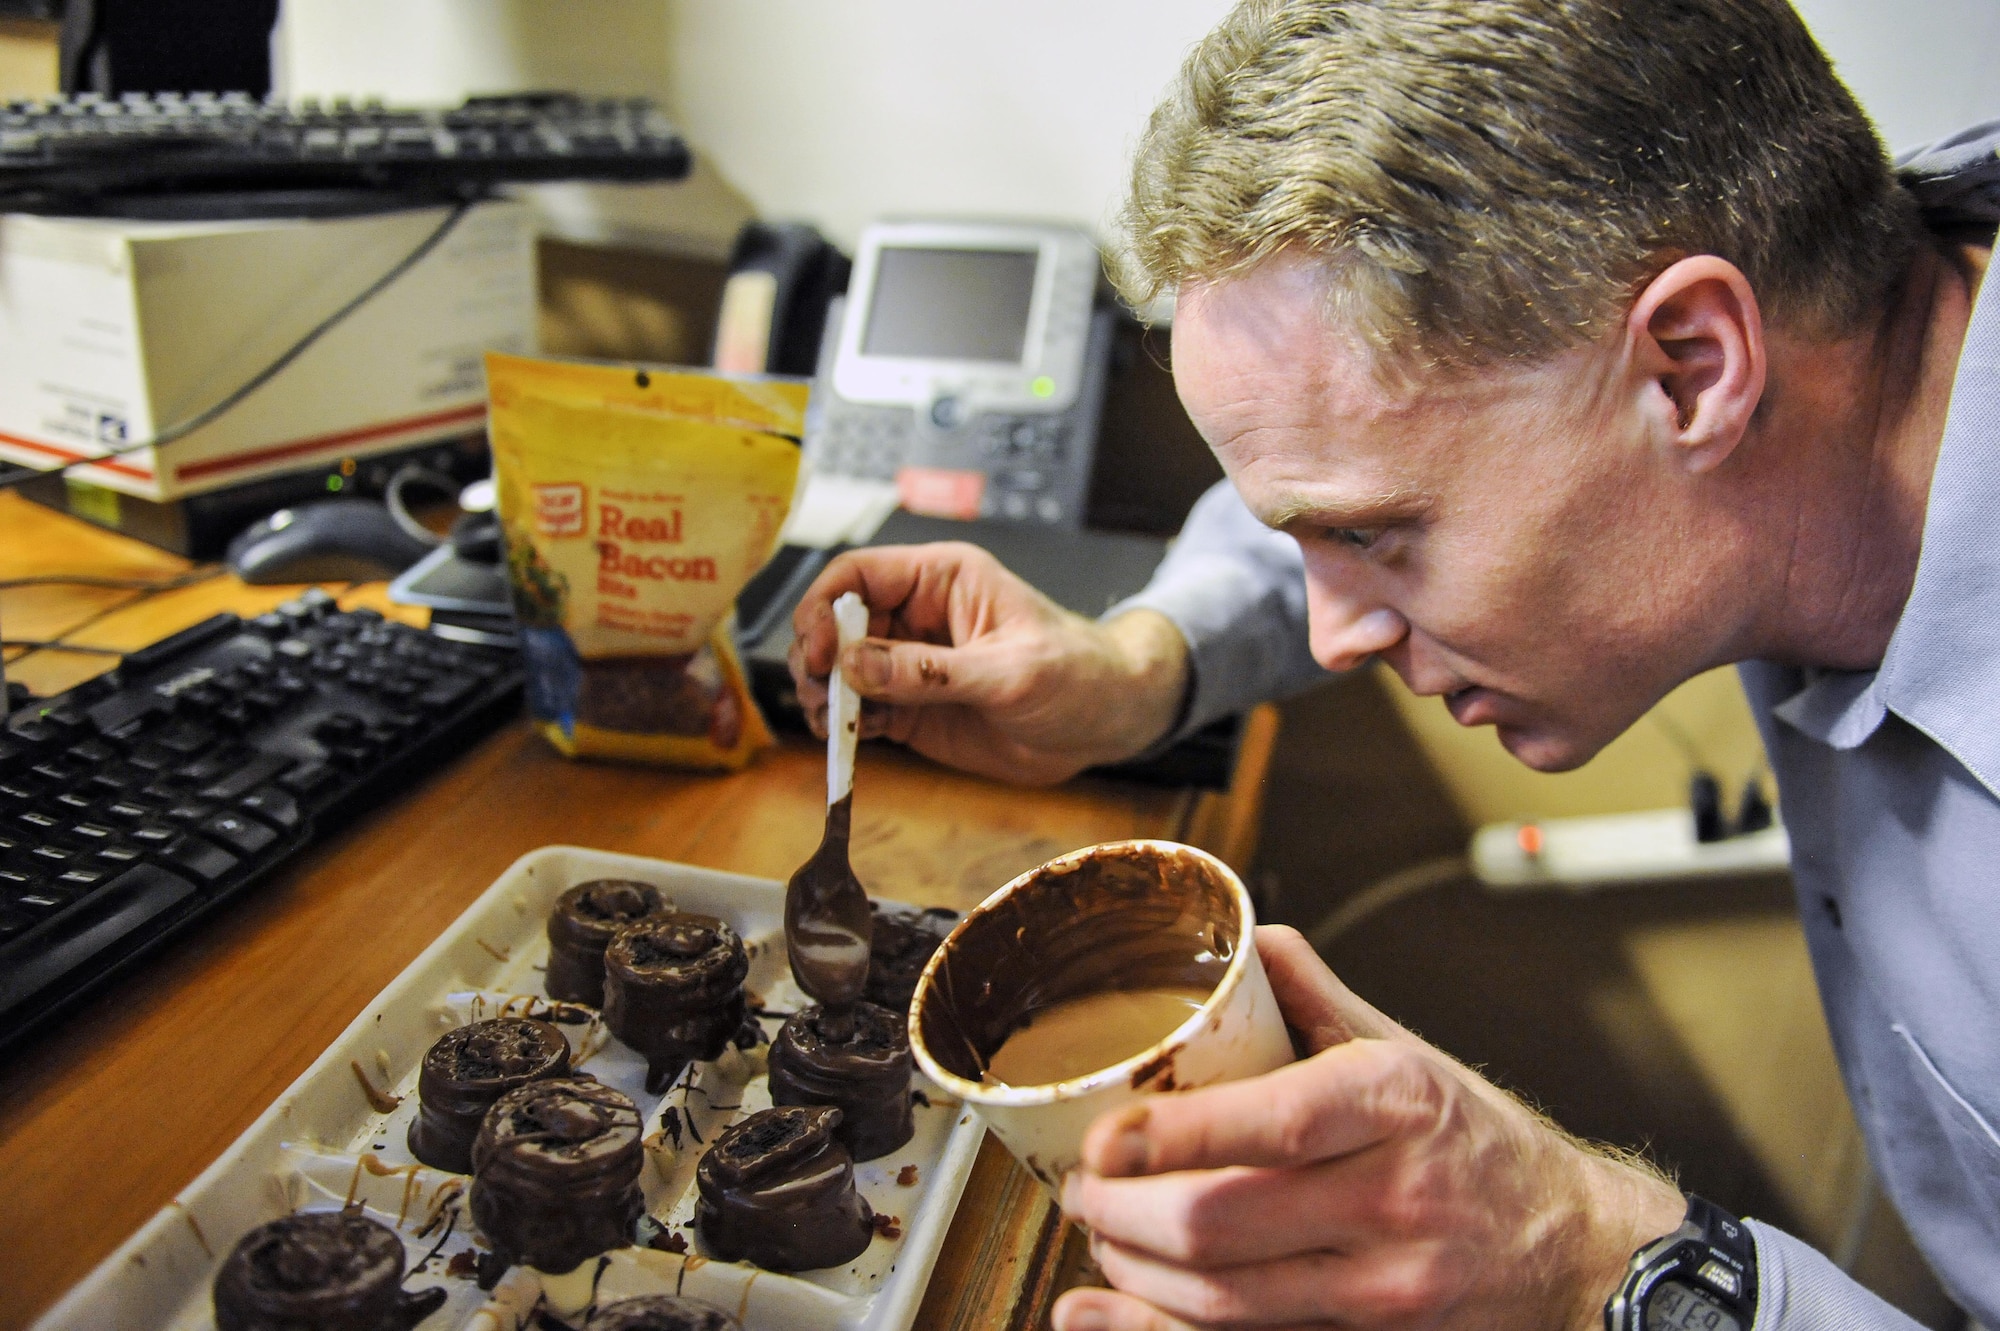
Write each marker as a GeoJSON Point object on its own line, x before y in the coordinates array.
{"type": "Point", "coordinates": [1496, 179]}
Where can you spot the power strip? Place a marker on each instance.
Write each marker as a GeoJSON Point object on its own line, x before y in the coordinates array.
{"type": "Point", "coordinates": [1657, 845]}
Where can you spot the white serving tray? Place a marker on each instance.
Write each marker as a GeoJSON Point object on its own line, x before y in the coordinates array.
{"type": "Point", "coordinates": [324, 1141]}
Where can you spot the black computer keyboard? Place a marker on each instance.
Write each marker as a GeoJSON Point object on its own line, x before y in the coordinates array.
{"type": "Point", "coordinates": [59, 150]}
{"type": "Point", "coordinates": [136, 803]}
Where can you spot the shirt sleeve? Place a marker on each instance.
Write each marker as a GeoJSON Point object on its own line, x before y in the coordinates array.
{"type": "Point", "coordinates": [1236, 590]}
{"type": "Point", "coordinates": [1798, 1289]}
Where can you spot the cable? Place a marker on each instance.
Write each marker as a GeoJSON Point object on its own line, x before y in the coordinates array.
{"type": "Point", "coordinates": [182, 429]}
{"type": "Point", "coordinates": [1384, 893]}
{"type": "Point", "coordinates": [50, 645]}
{"type": "Point", "coordinates": [188, 579]}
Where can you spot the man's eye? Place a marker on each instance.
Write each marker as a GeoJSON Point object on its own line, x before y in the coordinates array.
{"type": "Point", "coordinates": [1361, 538]}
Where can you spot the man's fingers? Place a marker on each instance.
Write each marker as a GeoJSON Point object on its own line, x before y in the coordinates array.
{"type": "Point", "coordinates": [1404, 1287]}
{"type": "Point", "coordinates": [1229, 1217]}
{"type": "Point", "coordinates": [1336, 1102]}
{"type": "Point", "coordinates": [1323, 1011]}
{"type": "Point", "coordinates": [923, 674]}
{"type": "Point", "coordinates": [1108, 1310]}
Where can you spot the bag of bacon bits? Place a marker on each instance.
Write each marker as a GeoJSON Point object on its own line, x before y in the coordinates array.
{"type": "Point", "coordinates": [635, 504]}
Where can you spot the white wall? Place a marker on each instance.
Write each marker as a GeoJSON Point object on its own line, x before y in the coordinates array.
{"type": "Point", "coordinates": [845, 112]}
{"type": "Point", "coordinates": [838, 111]}
{"type": "Point", "coordinates": [1922, 68]}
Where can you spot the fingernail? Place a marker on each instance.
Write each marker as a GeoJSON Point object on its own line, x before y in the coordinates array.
{"type": "Point", "coordinates": [1124, 1150]}
{"type": "Point", "coordinates": [866, 665]}
{"type": "Point", "coordinates": [1081, 1314]}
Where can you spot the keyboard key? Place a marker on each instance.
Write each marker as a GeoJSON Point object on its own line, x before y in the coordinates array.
{"type": "Point", "coordinates": [38, 901]}
{"type": "Point", "coordinates": [339, 726]}
{"type": "Point", "coordinates": [246, 776]}
{"type": "Point", "coordinates": [351, 753]}
{"type": "Point", "coordinates": [243, 833]}
{"type": "Point", "coordinates": [129, 811]}
{"type": "Point", "coordinates": [39, 819]}
{"type": "Point", "coordinates": [188, 812]}
{"type": "Point", "coordinates": [154, 757]}
{"type": "Point", "coordinates": [75, 801]}
{"type": "Point", "coordinates": [81, 879]}
{"type": "Point", "coordinates": [155, 836]}
{"type": "Point", "coordinates": [13, 922]}
{"type": "Point", "coordinates": [99, 922]}
{"type": "Point", "coordinates": [309, 778]}
{"type": "Point", "coordinates": [448, 693]}
{"type": "Point", "coordinates": [274, 806]}
{"type": "Point", "coordinates": [120, 777]}
{"type": "Point", "coordinates": [202, 859]}
{"type": "Point", "coordinates": [93, 751]}
{"type": "Point", "coordinates": [122, 852]}
{"type": "Point", "coordinates": [184, 737]}
{"type": "Point", "coordinates": [93, 833]}
{"type": "Point", "coordinates": [212, 765]}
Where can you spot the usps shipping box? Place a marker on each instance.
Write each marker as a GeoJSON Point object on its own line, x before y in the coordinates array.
{"type": "Point", "coordinates": [112, 330]}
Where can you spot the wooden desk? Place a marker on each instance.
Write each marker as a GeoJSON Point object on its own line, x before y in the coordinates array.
{"type": "Point", "coordinates": [102, 1122]}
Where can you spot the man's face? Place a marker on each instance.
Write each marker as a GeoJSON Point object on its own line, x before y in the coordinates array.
{"type": "Point", "coordinates": [1521, 541]}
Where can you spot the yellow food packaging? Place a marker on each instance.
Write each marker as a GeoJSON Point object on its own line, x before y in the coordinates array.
{"type": "Point", "coordinates": [635, 504]}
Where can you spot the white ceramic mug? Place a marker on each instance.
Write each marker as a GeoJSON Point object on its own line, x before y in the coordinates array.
{"type": "Point", "coordinates": [1113, 916]}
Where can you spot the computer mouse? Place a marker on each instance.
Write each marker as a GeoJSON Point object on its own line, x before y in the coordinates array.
{"type": "Point", "coordinates": [327, 540]}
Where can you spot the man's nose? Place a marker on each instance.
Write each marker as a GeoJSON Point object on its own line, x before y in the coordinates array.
{"type": "Point", "coordinates": [1345, 635]}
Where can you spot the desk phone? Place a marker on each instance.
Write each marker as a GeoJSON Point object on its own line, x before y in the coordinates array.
{"type": "Point", "coordinates": [967, 364]}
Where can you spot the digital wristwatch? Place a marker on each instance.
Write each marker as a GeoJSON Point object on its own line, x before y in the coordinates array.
{"type": "Point", "coordinates": [1701, 1277]}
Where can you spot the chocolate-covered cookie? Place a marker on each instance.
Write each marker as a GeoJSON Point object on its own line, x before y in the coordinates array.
{"type": "Point", "coordinates": [673, 990]}
{"type": "Point", "coordinates": [777, 1189]}
{"type": "Point", "coordinates": [323, 1270]}
{"type": "Point", "coordinates": [866, 1077]}
{"type": "Point", "coordinates": [556, 1173]}
{"type": "Point", "coordinates": [466, 1071]}
{"type": "Point", "coordinates": [585, 920]}
{"type": "Point", "coordinates": [899, 949]}
{"type": "Point", "coordinates": [661, 1312]}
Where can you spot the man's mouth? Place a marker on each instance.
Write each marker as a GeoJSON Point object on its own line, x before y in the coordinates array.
{"type": "Point", "coordinates": [1472, 706]}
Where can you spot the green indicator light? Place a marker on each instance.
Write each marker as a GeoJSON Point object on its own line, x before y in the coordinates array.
{"type": "Point", "coordinates": [333, 482]}
{"type": "Point", "coordinates": [1043, 386]}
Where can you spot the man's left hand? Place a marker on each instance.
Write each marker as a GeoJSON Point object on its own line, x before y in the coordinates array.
{"type": "Point", "coordinates": [1377, 1183]}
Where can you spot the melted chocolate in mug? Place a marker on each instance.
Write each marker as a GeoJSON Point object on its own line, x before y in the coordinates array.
{"type": "Point", "coordinates": [1133, 918]}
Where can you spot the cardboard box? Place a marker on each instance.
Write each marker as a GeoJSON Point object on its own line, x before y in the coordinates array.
{"type": "Point", "coordinates": [111, 330]}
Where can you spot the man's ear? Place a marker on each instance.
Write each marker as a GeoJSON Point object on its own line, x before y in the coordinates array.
{"type": "Point", "coordinates": [1696, 335]}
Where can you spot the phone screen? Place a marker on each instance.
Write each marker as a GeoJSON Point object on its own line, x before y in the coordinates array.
{"type": "Point", "coordinates": [950, 304]}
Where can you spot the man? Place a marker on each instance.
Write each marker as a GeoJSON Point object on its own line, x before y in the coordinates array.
{"type": "Point", "coordinates": [1571, 347]}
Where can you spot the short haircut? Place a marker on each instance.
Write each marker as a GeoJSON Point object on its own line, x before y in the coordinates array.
{"type": "Point", "coordinates": [1494, 180]}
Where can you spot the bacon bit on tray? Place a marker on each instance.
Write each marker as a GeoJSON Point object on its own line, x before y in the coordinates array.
{"type": "Point", "coordinates": [919, 1098]}
{"type": "Point", "coordinates": [464, 1265]}
{"type": "Point", "coordinates": [888, 1226]}
{"type": "Point", "coordinates": [906, 1177]}
{"type": "Point", "coordinates": [668, 1241]}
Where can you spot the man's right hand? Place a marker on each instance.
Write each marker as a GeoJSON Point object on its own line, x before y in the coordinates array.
{"type": "Point", "coordinates": [971, 666]}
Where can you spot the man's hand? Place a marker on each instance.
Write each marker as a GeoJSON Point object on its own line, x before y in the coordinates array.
{"type": "Point", "coordinates": [969, 665]}
{"type": "Point", "coordinates": [1377, 1183]}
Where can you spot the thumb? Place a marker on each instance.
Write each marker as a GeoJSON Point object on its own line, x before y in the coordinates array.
{"type": "Point", "coordinates": [918, 673]}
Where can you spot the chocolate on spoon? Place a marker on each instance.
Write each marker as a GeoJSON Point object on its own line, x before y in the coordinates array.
{"type": "Point", "coordinates": [827, 920]}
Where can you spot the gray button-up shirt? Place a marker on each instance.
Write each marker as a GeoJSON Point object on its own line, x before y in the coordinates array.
{"type": "Point", "coordinates": [1890, 785]}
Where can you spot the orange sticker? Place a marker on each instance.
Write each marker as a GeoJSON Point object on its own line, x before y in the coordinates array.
{"type": "Point", "coordinates": [939, 492]}
{"type": "Point", "coordinates": [559, 510]}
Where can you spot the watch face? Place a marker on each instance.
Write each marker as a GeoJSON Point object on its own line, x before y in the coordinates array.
{"type": "Point", "coordinates": [1674, 1306]}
